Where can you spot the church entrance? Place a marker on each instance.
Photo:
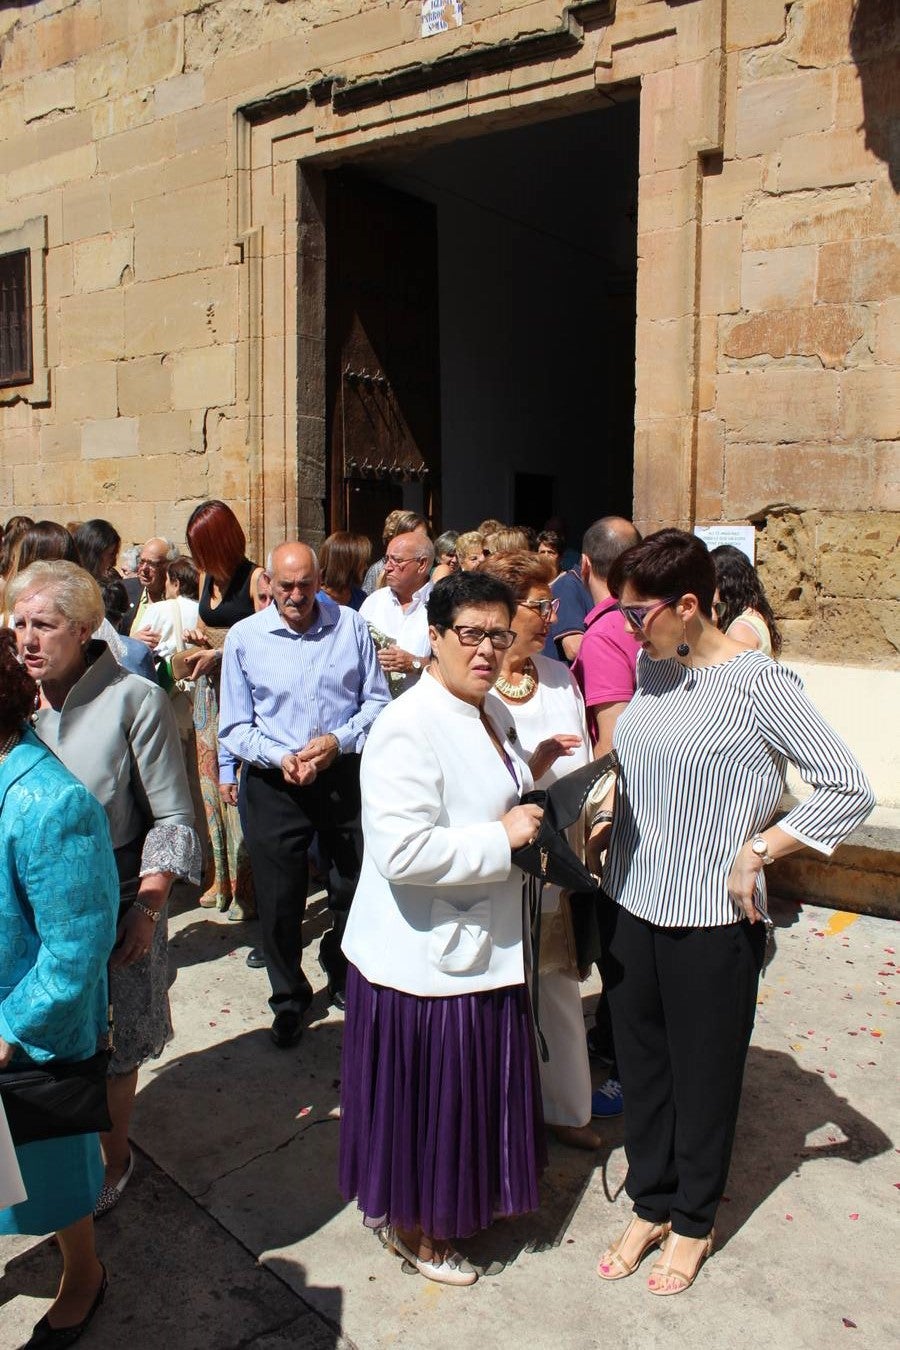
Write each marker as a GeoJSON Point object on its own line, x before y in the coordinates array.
{"type": "Point", "coordinates": [479, 326]}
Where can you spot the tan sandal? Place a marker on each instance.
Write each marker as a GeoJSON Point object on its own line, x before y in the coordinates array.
{"type": "Point", "coordinates": [612, 1264]}
{"type": "Point", "coordinates": [665, 1268]}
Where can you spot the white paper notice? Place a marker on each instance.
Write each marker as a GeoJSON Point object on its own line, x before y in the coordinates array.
{"type": "Point", "coordinates": [12, 1191]}
{"type": "Point", "coordinates": [439, 15]}
{"type": "Point", "coordinates": [740, 536]}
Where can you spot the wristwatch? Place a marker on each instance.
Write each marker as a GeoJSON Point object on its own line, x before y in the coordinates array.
{"type": "Point", "coordinates": [760, 847]}
{"type": "Point", "coordinates": [416, 663]}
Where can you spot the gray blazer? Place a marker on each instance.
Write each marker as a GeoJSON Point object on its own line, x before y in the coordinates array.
{"type": "Point", "coordinates": [116, 733]}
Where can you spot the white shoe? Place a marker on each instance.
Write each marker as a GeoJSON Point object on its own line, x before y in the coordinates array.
{"type": "Point", "coordinates": [454, 1269]}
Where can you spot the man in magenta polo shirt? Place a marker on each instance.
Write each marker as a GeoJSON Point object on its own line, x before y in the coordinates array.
{"type": "Point", "coordinates": [606, 661]}
{"type": "Point", "coordinates": [605, 670]}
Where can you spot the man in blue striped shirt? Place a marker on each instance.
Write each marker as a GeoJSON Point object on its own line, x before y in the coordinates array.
{"type": "Point", "coordinates": [301, 686]}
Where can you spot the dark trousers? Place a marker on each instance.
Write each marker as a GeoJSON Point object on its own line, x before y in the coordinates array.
{"type": "Point", "coordinates": [683, 1001]}
{"type": "Point", "coordinates": [281, 820]}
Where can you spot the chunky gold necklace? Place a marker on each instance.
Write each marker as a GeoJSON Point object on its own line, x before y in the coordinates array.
{"type": "Point", "coordinates": [9, 745]}
{"type": "Point", "coordinates": [517, 693]}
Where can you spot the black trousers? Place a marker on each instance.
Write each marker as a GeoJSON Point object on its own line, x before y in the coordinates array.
{"type": "Point", "coordinates": [683, 1002]}
{"type": "Point", "coordinates": [281, 821]}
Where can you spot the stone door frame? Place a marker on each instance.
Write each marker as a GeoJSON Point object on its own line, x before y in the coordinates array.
{"type": "Point", "coordinates": [282, 143]}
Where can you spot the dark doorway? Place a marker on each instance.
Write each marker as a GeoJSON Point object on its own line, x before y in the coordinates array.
{"type": "Point", "coordinates": [509, 259]}
{"type": "Point", "coordinates": [531, 493]}
{"type": "Point", "coordinates": [382, 371]}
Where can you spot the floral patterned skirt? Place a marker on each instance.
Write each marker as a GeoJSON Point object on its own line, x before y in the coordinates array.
{"type": "Point", "coordinates": [231, 885]}
{"type": "Point", "coordinates": [139, 996]}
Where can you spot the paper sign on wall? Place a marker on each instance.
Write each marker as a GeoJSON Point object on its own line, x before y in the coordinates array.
{"type": "Point", "coordinates": [439, 15]}
{"type": "Point", "coordinates": [740, 536]}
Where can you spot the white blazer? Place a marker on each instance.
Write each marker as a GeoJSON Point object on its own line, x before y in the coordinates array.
{"type": "Point", "coordinates": [438, 909]}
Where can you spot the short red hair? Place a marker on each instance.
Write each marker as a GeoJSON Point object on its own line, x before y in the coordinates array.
{"type": "Point", "coordinates": [218, 544]}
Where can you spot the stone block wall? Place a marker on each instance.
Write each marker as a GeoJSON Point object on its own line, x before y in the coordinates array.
{"type": "Point", "coordinates": [796, 398]}
{"type": "Point", "coordinates": [768, 296]}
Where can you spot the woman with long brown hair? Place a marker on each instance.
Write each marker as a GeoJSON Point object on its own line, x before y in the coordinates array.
{"type": "Point", "coordinates": [741, 605]}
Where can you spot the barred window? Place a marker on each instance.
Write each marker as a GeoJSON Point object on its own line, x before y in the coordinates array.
{"type": "Point", "coordinates": [16, 364]}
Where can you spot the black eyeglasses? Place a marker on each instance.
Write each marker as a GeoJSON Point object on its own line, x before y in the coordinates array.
{"type": "Point", "coordinates": [500, 638]}
{"type": "Point", "coordinates": [637, 615]}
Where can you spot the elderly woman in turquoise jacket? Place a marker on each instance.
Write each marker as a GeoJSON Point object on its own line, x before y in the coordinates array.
{"type": "Point", "coordinates": [58, 904]}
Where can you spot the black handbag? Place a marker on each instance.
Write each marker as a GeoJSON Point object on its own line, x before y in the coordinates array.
{"type": "Point", "coordinates": [61, 1097]}
{"type": "Point", "coordinates": [549, 856]}
{"type": "Point", "coordinates": [549, 859]}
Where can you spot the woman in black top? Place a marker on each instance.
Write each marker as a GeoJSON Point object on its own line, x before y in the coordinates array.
{"type": "Point", "coordinates": [229, 593]}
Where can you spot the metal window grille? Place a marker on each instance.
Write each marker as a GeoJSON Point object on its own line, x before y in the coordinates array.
{"type": "Point", "coordinates": [16, 365]}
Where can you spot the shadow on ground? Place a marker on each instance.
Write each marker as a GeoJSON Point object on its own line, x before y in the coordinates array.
{"type": "Point", "coordinates": [176, 1277]}
{"type": "Point", "coordinates": [789, 1118]}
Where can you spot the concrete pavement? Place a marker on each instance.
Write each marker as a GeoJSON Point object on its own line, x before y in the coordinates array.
{"type": "Point", "coordinates": [232, 1232]}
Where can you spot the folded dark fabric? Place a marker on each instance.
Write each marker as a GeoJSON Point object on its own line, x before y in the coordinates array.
{"type": "Point", "coordinates": [49, 1101]}
{"type": "Point", "coordinates": [549, 856]}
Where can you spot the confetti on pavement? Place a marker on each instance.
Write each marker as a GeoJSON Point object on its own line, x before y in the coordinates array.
{"type": "Point", "coordinates": [839, 922]}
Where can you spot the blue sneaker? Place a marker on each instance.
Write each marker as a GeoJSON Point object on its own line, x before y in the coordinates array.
{"type": "Point", "coordinates": [607, 1100]}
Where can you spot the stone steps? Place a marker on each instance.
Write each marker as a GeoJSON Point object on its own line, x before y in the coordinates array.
{"type": "Point", "coordinates": [862, 875]}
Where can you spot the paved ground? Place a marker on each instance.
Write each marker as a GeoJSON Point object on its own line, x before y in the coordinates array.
{"type": "Point", "coordinates": [232, 1233]}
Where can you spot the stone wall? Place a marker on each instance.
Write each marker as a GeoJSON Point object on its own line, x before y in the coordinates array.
{"type": "Point", "coordinates": [767, 335]}
{"type": "Point", "coordinates": [804, 407]}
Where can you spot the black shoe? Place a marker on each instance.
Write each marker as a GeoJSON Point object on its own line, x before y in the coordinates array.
{"type": "Point", "coordinates": [286, 1029]}
{"type": "Point", "coordinates": [337, 997]}
{"type": "Point", "coordinates": [256, 958]}
{"type": "Point", "coordinates": [46, 1337]}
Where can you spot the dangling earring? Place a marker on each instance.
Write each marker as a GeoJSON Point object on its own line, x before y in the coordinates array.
{"type": "Point", "coordinates": [683, 649]}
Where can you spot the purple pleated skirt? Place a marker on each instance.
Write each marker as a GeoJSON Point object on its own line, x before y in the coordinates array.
{"type": "Point", "coordinates": [441, 1123]}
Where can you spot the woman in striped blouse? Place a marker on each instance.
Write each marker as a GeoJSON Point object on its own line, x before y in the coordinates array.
{"type": "Point", "coordinates": [703, 747]}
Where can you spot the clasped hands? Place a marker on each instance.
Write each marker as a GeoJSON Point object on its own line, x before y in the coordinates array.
{"type": "Point", "coordinates": [300, 767]}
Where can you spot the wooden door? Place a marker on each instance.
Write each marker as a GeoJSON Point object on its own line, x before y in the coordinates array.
{"type": "Point", "coordinates": [382, 353]}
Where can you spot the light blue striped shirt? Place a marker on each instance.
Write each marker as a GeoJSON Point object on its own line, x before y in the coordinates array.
{"type": "Point", "coordinates": [281, 688]}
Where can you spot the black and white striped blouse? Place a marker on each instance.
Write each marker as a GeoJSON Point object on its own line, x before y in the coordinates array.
{"type": "Point", "coordinates": [703, 756]}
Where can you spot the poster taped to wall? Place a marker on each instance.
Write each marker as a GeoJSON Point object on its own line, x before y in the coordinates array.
{"type": "Point", "coordinates": [440, 15]}
{"type": "Point", "coordinates": [740, 536]}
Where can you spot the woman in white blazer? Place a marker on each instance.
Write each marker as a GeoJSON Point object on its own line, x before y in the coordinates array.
{"type": "Point", "coordinates": [441, 1127]}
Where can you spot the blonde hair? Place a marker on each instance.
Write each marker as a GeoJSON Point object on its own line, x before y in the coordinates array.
{"type": "Point", "coordinates": [508, 540]}
{"type": "Point", "coordinates": [72, 590]}
{"type": "Point", "coordinates": [470, 542]}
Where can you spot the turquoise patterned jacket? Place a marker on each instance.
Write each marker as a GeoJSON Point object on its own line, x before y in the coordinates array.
{"type": "Point", "coordinates": [59, 897]}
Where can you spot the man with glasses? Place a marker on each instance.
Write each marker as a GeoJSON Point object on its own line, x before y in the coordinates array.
{"type": "Point", "coordinates": [147, 588]}
{"type": "Point", "coordinates": [396, 612]}
{"type": "Point", "coordinates": [300, 689]}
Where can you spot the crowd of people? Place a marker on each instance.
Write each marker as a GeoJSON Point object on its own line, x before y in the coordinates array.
{"type": "Point", "coordinates": [375, 726]}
